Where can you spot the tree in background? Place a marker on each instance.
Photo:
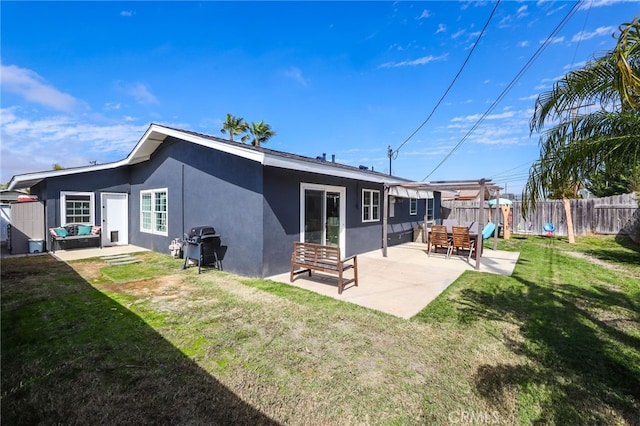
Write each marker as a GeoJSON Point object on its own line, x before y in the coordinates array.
{"type": "Point", "coordinates": [614, 178]}
{"type": "Point", "coordinates": [261, 132]}
{"type": "Point", "coordinates": [56, 166]}
{"type": "Point", "coordinates": [581, 143]}
{"type": "Point", "coordinates": [235, 126]}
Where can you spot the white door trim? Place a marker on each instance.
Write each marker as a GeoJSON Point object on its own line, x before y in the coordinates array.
{"type": "Point", "coordinates": [123, 237]}
{"type": "Point", "coordinates": [343, 209]}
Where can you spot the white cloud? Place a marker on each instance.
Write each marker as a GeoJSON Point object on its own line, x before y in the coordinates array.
{"type": "Point", "coordinates": [522, 12]}
{"type": "Point", "coordinates": [577, 65]}
{"type": "Point", "coordinates": [138, 91]}
{"type": "Point", "coordinates": [523, 44]}
{"type": "Point", "coordinates": [528, 98]}
{"type": "Point", "coordinates": [553, 40]}
{"type": "Point", "coordinates": [127, 13]}
{"type": "Point", "coordinates": [599, 3]}
{"type": "Point", "coordinates": [33, 88]}
{"type": "Point", "coordinates": [31, 145]}
{"type": "Point", "coordinates": [425, 14]}
{"type": "Point", "coordinates": [476, 117]}
{"type": "Point", "coordinates": [441, 28]}
{"type": "Point", "coordinates": [457, 34]}
{"type": "Point", "coordinates": [111, 106]}
{"type": "Point", "coordinates": [598, 32]}
{"type": "Point", "coordinates": [296, 74]}
{"type": "Point", "coordinates": [420, 61]}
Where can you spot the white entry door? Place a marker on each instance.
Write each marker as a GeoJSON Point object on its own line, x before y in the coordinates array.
{"type": "Point", "coordinates": [115, 219]}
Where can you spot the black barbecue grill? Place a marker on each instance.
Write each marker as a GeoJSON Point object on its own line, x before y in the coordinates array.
{"type": "Point", "coordinates": [201, 247]}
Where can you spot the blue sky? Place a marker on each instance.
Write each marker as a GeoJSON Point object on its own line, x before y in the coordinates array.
{"type": "Point", "coordinates": [81, 81]}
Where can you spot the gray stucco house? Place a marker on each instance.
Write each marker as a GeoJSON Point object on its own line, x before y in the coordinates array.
{"type": "Point", "coordinates": [259, 200]}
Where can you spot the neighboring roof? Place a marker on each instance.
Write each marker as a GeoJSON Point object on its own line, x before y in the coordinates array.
{"type": "Point", "coordinates": [7, 195]}
{"type": "Point", "coordinates": [467, 194]}
{"type": "Point", "coordinates": [448, 185]}
{"type": "Point", "coordinates": [156, 135]}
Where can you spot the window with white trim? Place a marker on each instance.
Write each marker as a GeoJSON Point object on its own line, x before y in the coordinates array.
{"type": "Point", "coordinates": [154, 211]}
{"type": "Point", "coordinates": [76, 207]}
{"type": "Point", "coordinates": [370, 205]}
{"type": "Point", "coordinates": [413, 206]}
{"type": "Point", "coordinates": [429, 209]}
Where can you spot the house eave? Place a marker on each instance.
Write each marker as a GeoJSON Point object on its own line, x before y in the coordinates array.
{"type": "Point", "coordinates": [156, 135]}
{"type": "Point", "coordinates": [28, 180]}
{"type": "Point", "coordinates": [320, 168]}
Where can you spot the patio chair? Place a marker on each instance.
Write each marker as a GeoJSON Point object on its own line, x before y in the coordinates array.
{"type": "Point", "coordinates": [462, 240]}
{"type": "Point", "coordinates": [440, 239]}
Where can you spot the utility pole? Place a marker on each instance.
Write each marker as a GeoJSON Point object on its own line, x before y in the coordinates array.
{"type": "Point", "coordinates": [390, 154]}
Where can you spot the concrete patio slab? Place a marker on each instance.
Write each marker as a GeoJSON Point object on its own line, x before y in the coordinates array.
{"type": "Point", "coordinates": [404, 282]}
{"type": "Point", "coordinates": [77, 254]}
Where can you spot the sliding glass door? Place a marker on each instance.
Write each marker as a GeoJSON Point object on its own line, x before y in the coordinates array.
{"type": "Point", "coordinates": [322, 218]}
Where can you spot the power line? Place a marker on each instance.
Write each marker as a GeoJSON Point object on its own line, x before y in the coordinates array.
{"type": "Point", "coordinates": [509, 86]}
{"type": "Point", "coordinates": [395, 152]}
{"type": "Point", "coordinates": [528, 163]}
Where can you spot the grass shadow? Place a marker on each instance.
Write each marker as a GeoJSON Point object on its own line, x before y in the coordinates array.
{"type": "Point", "coordinates": [581, 339]}
{"type": "Point", "coordinates": [582, 365]}
{"type": "Point", "coordinates": [72, 355]}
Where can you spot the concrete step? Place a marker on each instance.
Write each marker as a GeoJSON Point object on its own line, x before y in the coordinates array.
{"type": "Point", "coordinates": [124, 262]}
{"type": "Point", "coordinates": [120, 259]}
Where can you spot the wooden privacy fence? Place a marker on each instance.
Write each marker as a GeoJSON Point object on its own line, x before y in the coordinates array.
{"type": "Point", "coordinates": [608, 215]}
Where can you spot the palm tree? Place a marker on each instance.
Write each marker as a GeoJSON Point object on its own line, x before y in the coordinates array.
{"type": "Point", "coordinates": [261, 132]}
{"type": "Point", "coordinates": [579, 143]}
{"type": "Point", "coordinates": [235, 126]}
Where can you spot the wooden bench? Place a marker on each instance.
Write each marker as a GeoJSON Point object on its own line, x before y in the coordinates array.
{"type": "Point", "coordinates": [317, 257]}
{"type": "Point", "coordinates": [73, 233]}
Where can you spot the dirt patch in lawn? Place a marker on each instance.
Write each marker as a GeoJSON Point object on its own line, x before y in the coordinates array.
{"type": "Point", "coordinates": [165, 288]}
{"type": "Point", "coordinates": [169, 287]}
{"type": "Point", "coordinates": [90, 271]}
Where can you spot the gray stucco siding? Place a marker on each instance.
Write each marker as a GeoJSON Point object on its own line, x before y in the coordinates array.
{"type": "Point", "coordinates": [112, 180]}
{"type": "Point", "coordinates": [205, 187]}
{"type": "Point", "coordinates": [282, 216]}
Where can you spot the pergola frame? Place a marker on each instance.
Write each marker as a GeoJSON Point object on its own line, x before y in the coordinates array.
{"type": "Point", "coordinates": [438, 186]}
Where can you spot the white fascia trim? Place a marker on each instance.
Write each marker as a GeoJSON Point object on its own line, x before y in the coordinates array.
{"type": "Point", "coordinates": [304, 166]}
{"type": "Point", "coordinates": [36, 177]}
{"type": "Point", "coordinates": [219, 146]}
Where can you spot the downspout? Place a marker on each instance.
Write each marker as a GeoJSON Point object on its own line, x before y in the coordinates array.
{"type": "Point", "coordinates": [480, 224]}
{"type": "Point", "coordinates": [497, 216]}
{"type": "Point", "coordinates": [385, 212]}
{"type": "Point", "coordinates": [182, 201]}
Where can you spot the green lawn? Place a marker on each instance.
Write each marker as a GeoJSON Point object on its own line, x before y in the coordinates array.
{"type": "Point", "coordinates": [556, 343]}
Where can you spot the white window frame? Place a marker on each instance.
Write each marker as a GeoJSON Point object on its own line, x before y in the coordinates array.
{"type": "Point", "coordinates": [430, 209]}
{"type": "Point", "coordinates": [413, 206]}
{"type": "Point", "coordinates": [63, 207]}
{"type": "Point", "coordinates": [154, 224]}
{"type": "Point", "coordinates": [372, 207]}
{"type": "Point", "coordinates": [343, 210]}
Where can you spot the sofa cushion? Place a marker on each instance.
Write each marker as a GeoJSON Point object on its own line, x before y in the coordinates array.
{"type": "Point", "coordinates": [60, 232]}
{"type": "Point", "coordinates": [84, 229]}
